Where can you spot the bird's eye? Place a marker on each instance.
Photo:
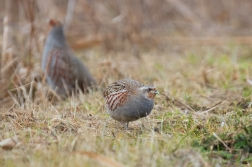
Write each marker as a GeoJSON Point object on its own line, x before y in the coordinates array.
{"type": "Point", "coordinates": [149, 89]}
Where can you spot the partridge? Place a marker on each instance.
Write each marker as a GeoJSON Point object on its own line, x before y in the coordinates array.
{"type": "Point", "coordinates": [64, 72]}
{"type": "Point", "coordinates": [128, 100]}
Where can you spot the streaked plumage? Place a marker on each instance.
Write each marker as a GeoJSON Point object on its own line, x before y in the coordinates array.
{"type": "Point", "coordinates": [128, 100]}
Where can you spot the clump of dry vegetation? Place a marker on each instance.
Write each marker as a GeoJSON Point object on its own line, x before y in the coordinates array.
{"type": "Point", "coordinates": [202, 117]}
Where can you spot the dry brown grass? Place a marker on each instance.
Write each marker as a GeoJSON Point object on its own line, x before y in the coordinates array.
{"type": "Point", "coordinates": [203, 91]}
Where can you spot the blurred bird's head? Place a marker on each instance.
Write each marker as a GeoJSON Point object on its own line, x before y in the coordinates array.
{"type": "Point", "coordinates": [54, 23]}
{"type": "Point", "coordinates": [56, 37]}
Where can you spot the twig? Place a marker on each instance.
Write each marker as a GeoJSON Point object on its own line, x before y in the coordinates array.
{"type": "Point", "coordinates": [29, 7]}
{"type": "Point", "coordinates": [173, 100]}
{"type": "Point", "coordinates": [185, 11]}
{"type": "Point", "coordinates": [248, 79]}
{"type": "Point", "coordinates": [211, 108]}
{"type": "Point", "coordinates": [217, 137]}
{"type": "Point", "coordinates": [100, 158]}
{"type": "Point", "coordinates": [70, 12]}
{"type": "Point", "coordinates": [8, 48]}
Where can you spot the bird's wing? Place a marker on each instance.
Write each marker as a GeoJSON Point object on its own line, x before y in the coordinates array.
{"type": "Point", "coordinates": [113, 88]}
{"type": "Point", "coordinates": [116, 99]}
{"type": "Point", "coordinates": [60, 69]}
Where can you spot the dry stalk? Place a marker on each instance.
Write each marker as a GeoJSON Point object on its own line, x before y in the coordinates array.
{"type": "Point", "coordinates": [100, 158]}
{"type": "Point", "coordinates": [8, 49]}
{"type": "Point", "coordinates": [29, 8]}
{"type": "Point", "coordinates": [217, 137]}
{"type": "Point", "coordinates": [70, 12]}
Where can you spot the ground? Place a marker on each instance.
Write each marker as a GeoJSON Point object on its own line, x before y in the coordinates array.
{"type": "Point", "coordinates": [202, 117]}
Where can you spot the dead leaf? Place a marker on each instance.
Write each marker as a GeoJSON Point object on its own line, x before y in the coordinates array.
{"type": "Point", "coordinates": [9, 143]}
{"type": "Point", "coordinates": [249, 81]}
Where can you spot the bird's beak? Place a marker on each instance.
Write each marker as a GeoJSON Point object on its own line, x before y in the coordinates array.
{"type": "Point", "coordinates": [157, 92]}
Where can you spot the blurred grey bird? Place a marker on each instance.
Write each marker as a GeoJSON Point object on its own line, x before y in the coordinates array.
{"type": "Point", "coordinates": [128, 100]}
{"type": "Point", "coordinates": [64, 72]}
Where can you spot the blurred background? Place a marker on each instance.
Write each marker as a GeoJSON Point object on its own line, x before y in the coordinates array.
{"type": "Point", "coordinates": [132, 26]}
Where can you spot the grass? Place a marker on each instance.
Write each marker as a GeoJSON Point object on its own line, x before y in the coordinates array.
{"type": "Point", "coordinates": [203, 116]}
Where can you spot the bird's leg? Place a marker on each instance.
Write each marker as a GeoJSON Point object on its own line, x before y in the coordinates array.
{"type": "Point", "coordinates": [125, 125]}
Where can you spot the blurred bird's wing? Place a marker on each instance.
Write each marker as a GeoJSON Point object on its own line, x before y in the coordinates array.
{"type": "Point", "coordinates": [59, 68]}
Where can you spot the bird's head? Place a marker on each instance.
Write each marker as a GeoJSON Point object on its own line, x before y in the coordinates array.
{"type": "Point", "coordinates": [56, 37]}
{"type": "Point", "coordinates": [56, 27]}
{"type": "Point", "coordinates": [54, 23]}
{"type": "Point", "coordinates": [149, 91]}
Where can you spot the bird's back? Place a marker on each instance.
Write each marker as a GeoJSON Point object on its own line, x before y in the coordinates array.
{"type": "Point", "coordinates": [129, 85]}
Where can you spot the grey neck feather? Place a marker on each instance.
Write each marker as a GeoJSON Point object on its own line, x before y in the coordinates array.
{"type": "Point", "coordinates": [56, 38]}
